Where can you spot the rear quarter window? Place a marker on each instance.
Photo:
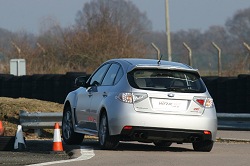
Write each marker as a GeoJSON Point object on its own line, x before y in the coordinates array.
{"type": "Point", "coordinates": [111, 75]}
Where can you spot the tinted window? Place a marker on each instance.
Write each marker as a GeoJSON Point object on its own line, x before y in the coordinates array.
{"type": "Point", "coordinates": [111, 75]}
{"type": "Point", "coordinates": [98, 76]}
{"type": "Point", "coordinates": [166, 80]}
{"type": "Point", "coordinates": [119, 75]}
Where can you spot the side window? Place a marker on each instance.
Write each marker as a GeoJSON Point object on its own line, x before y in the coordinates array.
{"type": "Point", "coordinates": [111, 75]}
{"type": "Point", "coordinates": [98, 76]}
{"type": "Point", "coordinates": [118, 75]}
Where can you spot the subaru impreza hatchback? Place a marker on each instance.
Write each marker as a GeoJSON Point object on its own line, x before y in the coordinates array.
{"type": "Point", "coordinates": [143, 100]}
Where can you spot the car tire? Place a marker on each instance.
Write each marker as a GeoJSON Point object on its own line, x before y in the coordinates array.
{"type": "Point", "coordinates": [162, 143]}
{"type": "Point", "coordinates": [70, 137]}
{"type": "Point", "coordinates": [105, 140]}
{"type": "Point", "coordinates": [203, 146]}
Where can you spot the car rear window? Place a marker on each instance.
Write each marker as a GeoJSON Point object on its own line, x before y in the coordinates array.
{"type": "Point", "coordinates": [166, 80]}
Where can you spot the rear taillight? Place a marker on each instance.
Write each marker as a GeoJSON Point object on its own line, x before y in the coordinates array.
{"type": "Point", "coordinates": [127, 128]}
{"type": "Point", "coordinates": [200, 101]}
{"type": "Point", "coordinates": [204, 102]}
{"type": "Point", "coordinates": [132, 97]}
{"type": "Point", "coordinates": [206, 132]}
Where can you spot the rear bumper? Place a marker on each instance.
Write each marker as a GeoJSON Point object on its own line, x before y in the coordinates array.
{"type": "Point", "coordinates": [120, 115]}
{"type": "Point", "coordinates": [164, 125]}
{"type": "Point", "coordinates": [137, 133]}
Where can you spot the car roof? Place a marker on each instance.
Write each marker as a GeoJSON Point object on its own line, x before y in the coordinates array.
{"type": "Point", "coordinates": [133, 63]}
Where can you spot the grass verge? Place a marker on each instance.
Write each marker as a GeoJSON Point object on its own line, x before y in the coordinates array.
{"type": "Point", "coordinates": [10, 108]}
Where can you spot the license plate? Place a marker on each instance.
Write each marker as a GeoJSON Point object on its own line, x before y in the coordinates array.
{"type": "Point", "coordinates": [170, 105]}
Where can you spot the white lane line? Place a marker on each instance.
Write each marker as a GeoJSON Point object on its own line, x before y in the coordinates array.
{"type": "Point", "coordinates": [86, 154]}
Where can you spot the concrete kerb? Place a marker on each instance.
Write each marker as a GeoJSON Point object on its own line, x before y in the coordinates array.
{"type": "Point", "coordinates": [233, 136]}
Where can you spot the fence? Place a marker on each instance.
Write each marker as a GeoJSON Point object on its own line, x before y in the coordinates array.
{"type": "Point", "coordinates": [230, 94]}
{"type": "Point", "coordinates": [48, 87]}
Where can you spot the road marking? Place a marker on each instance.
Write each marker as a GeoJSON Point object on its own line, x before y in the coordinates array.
{"type": "Point", "coordinates": [86, 154]}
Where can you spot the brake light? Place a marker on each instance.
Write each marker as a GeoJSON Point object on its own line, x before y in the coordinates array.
{"type": "Point", "coordinates": [127, 127]}
{"type": "Point", "coordinates": [200, 101]}
{"type": "Point", "coordinates": [204, 102]}
{"type": "Point", "coordinates": [206, 132]}
{"type": "Point", "coordinates": [132, 97]}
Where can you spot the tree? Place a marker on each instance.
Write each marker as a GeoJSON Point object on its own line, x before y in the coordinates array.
{"type": "Point", "coordinates": [239, 28]}
{"type": "Point", "coordinates": [113, 29]}
{"type": "Point", "coordinates": [120, 14]}
{"type": "Point", "coordinates": [5, 48]}
{"type": "Point", "coordinates": [239, 25]}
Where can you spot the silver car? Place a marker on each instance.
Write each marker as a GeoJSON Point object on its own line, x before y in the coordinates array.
{"type": "Point", "coordinates": [145, 100]}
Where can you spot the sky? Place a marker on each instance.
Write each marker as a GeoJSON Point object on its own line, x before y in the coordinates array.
{"type": "Point", "coordinates": [29, 15]}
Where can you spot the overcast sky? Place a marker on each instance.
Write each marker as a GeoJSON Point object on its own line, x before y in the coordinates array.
{"type": "Point", "coordinates": [28, 15]}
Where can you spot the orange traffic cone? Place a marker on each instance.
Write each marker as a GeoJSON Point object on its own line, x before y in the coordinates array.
{"type": "Point", "coordinates": [1, 129]}
{"type": "Point", "coordinates": [57, 141]}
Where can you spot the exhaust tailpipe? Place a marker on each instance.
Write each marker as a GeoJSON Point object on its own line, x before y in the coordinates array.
{"type": "Point", "coordinates": [140, 135]}
{"type": "Point", "coordinates": [136, 135]}
{"type": "Point", "coordinates": [194, 139]}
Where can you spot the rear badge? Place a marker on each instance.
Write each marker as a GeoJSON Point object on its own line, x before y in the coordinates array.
{"type": "Point", "coordinates": [170, 95]}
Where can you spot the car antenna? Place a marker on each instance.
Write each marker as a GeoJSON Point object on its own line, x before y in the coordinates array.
{"type": "Point", "coordinates": [159, 61]}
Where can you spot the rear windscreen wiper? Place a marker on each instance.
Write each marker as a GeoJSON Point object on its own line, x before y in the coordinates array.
{"type": "Point", "coordinates": [181, 89]}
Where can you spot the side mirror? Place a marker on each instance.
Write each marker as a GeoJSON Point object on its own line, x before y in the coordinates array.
{"type": "Point", "coordinates": [81, 81]}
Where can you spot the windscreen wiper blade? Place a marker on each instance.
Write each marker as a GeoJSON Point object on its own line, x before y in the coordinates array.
{"type": "Point", "coordinates": [181, 89]}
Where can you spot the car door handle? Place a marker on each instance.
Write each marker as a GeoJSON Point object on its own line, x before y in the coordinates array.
{"type": "Point", "coordinates": [104, 94]}
{"type": "Point", "coordinates": [90, 94]}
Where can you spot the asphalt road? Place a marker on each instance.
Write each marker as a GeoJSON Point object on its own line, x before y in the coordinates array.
{"type": "Point", "coordinates": [227, 152]}
{"type": "Point", "coordinates": [38, 151]}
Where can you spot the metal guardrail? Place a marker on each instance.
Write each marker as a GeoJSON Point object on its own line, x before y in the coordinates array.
{"type": "Point", "coordinates": [232, 121]}
{"type": "Point", "coordinates": [40, 120]}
